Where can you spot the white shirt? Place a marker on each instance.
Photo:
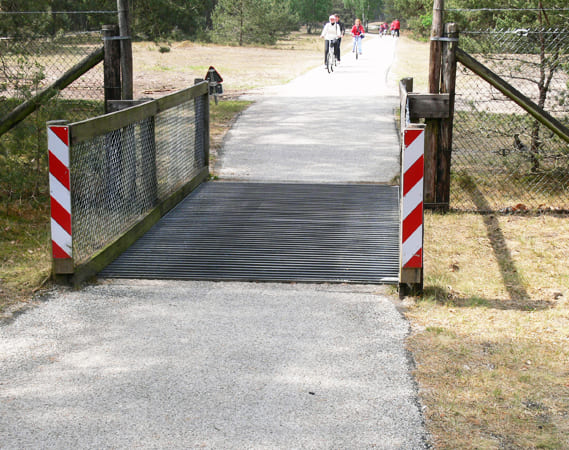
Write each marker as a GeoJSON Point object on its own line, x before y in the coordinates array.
{"type": "Point", "coordinates": [331, 31]}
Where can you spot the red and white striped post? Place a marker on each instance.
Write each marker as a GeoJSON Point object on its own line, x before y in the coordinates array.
{"type": "Point", "coordinates": [412, 177]}
{"type": "Point", "coordinates": [60, 193]}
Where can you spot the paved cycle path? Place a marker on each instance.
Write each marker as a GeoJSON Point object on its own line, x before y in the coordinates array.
{"type": "Point", "coordinates": [321, 127]}
{"type": "Point", "coordinates": [178, 364]}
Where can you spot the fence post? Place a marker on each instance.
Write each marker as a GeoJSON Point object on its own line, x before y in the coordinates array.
{"type": "Point", "coordinates": [412, 178]}
{"type": "Point", "coordinates": [448, 84]}
{"type": "Point", "coordinates": [58, 141]}
{"type": "Point", "coordinates": [126, 50]}
{"type": "Point", "coordinates": [204, 137]}
{"type": "Point", "coordinates": [433, 125]}
{"type": "Point", "coordinates": [112, 65]}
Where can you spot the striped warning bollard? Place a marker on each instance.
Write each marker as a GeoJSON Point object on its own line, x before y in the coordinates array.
{"type": "Point", "coordinates": [60, 193]}
{"type": "Point", "coordinates": [412, 206]}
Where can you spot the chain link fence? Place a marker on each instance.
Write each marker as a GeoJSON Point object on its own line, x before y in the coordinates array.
{"type": "Point", "coordinates": [120, 174]}
{"type": "Point", "coordinates": [28, 64]}
{"type": "Point", "coordinates": [502, 158]}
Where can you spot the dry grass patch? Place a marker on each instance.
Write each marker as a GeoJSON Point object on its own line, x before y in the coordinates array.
{"type": "Point", "coordinates": [491, 335]}
{"type": "Point", "coordinates": [242, 68]}
{"type": "Point", "coordinates": [411, 60]}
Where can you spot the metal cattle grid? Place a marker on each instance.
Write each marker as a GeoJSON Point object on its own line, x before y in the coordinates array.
{"type": "Point", "coordinates": [272, 232]}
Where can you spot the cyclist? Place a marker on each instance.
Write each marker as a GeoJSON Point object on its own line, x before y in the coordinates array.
{"type": "Point", "coordinates": [339, 42]}
{"type": "Point", "coordinates": [358, 33]}
{"type": "Point", "coordinates": [331, 33]}
{"type": "Point", "coordinates": [395, 26]}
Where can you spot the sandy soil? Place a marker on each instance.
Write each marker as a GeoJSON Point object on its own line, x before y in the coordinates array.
{"type": "Point", "coordinates": [158, 73]}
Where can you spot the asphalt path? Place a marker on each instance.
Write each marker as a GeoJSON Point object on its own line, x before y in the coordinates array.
{"type": "Point", "coordinates": [175, 364]}
{"type": "Point", "coordinates": [321, 127]}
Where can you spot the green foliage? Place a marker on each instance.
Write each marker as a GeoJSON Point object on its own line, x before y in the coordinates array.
{"type": "Point", "coordinates": [311, 12]}
{"type": "Point", "coordinates": [364, 10]}
{"type": "Point", "coordinates": [252, 21]}
{"type": "Point", "coordinates": [51, 23]}
{"type": "Point", "coordinates": [176, 19]}
{"type": "Point", "coordinates": [417, 14]}
{"type": "Point", "coordinates": [414, 14]}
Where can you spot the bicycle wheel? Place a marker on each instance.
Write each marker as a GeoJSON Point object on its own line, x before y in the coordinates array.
{"type": "Point", "coordinates": [331, 61]}
{"type": "Point", "coordinates": [357, 51]}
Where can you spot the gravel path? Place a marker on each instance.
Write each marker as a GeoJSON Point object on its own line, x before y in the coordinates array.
{"type": "Point", "coordinates": [212, 365]}
{"type": "Point", "coordinates": [321, 127]}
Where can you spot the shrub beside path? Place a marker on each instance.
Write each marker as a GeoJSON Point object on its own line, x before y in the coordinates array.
{"type": "Point", "coordinates": [174, 364]}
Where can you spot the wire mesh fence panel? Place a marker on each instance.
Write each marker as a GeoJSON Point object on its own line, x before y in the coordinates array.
{"type": "Point", "coordinates": [29, 63]}
{"type": "Point", "coordinates": [180, 149]}
{"type": "Point", "coordinates": [121, 175]}
{"type": "Point", "coordinates": [502, 156]}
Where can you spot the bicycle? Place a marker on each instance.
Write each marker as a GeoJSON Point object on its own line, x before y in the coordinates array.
{"type": "Point", "coordinates": [331, 59]}
{"type": "Point", "coordinates": [357, 46]}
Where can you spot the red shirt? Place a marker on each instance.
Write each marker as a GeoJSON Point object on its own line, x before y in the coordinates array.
{"type": "Point", "coordinates": [357, 31]}
{"type": "Point", "coordinates": [395, 25]}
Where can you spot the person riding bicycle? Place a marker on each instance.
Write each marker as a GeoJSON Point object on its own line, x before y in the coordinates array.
{"type": "Point", "coordinates": [339, 42]}
{"type": "Point", "coordinates": [331, 33]}
{"type": "Point", "coordinates": [395, 26]}
{"type": "Point", "coordinates": [358, 33]}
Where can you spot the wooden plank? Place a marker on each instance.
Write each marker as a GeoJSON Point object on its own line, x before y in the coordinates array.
{"type": "Point", "coordinates": [432, 132]}
{"type": "Point", "coordinates": [512, 93]}
{"type": "Point", "coordinates": [428, 106]}
{"type": "Point", "coordinates": [411, 276]}
{"type": "Point", "coordinates": [119, 105]}
{"type": "Point", "coordinates": [97, 126]}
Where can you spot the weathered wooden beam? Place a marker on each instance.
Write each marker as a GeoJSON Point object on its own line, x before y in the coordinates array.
{"type": "Point", "coordinates": [513, 94]}
{"type": "Point", "coordinates": [126, 50]}
{"type": "Point", "coordinates": [405, 86]}
{"type": "Point", "coordinates": [25, 109]}
{"type": "Point", "coordinates": [433, 125]}
{"type": "Point", "coordinates": [112, 65]}
{"type": "Point", "coordinates": [88, 129]}
{"type": "Point", "coordinates": [436, 47]}
{"type": "Point", "coordinates": [119, 105]}
{"type": "Point", "coordinates": [428, 106]}
{"type": "Point", "coordinates": [448, 85]}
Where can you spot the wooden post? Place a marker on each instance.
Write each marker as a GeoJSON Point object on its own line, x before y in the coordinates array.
{"type": "Point", "coordinates": [436, 47]}
{"type": "Point", "coordinates": [126, 50]}
{"type": "Point", "coordinates": [448, 84]}
{"type": "Point", "coordinates": [202, 134]}
{"type": "Point", "coordinates": [112, 66]}
{"type": "Point", "coordinates": [405, 86]}
{"type": "Point", "coordinates": [433, 125]}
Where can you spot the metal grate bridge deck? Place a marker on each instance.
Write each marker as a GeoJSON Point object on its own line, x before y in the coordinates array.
{"type": "Point", "coordinates": [272, 232]}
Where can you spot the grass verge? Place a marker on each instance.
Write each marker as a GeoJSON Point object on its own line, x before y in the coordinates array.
{"type": "Point", "coordinates": [490, 335]}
